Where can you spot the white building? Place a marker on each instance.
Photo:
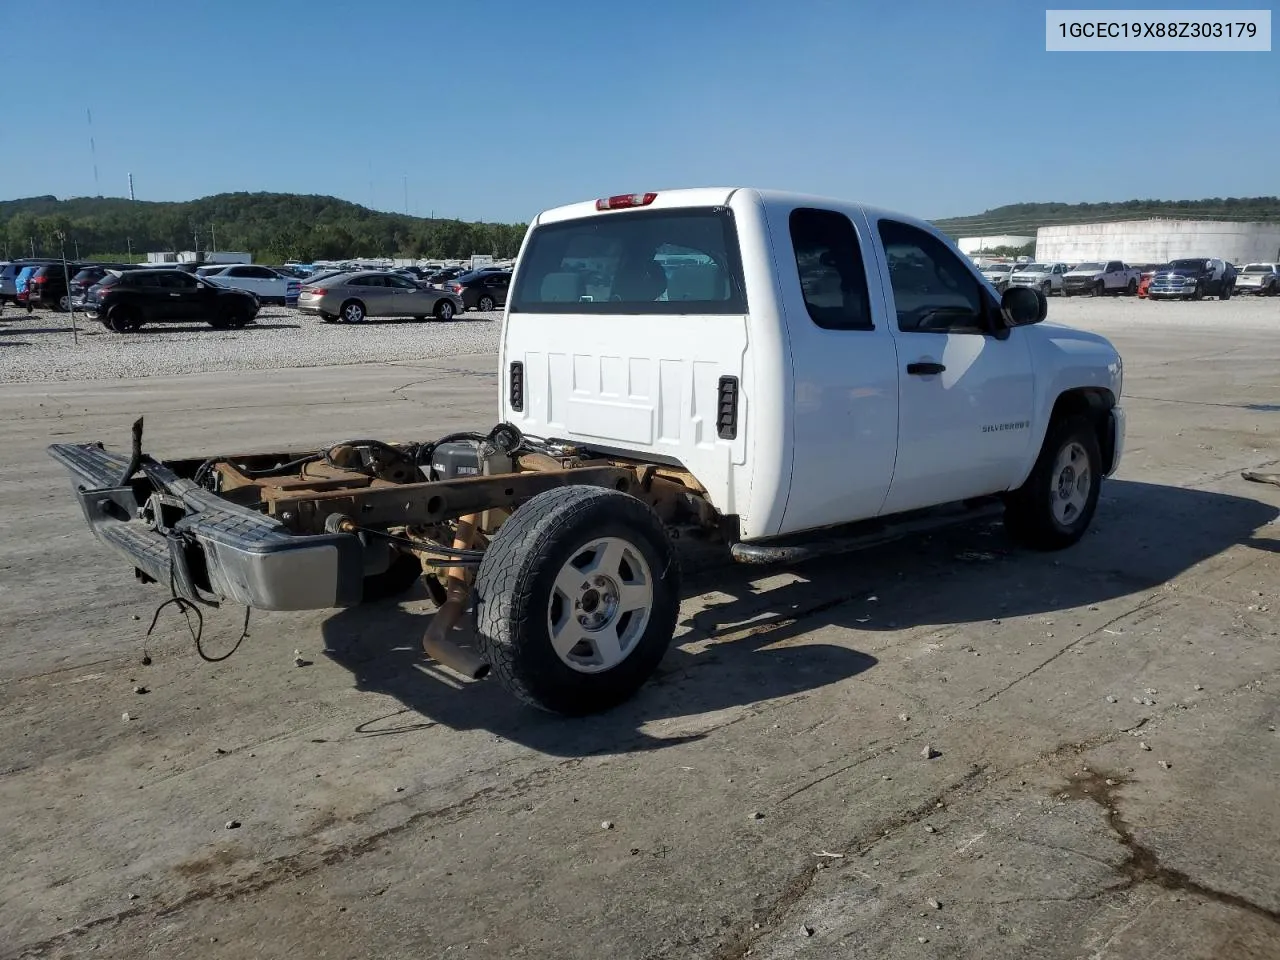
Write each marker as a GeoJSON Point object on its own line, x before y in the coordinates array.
{"type": "Point", "coordinates": [1157, 241]}
{"type": "Point", "coordinates": [971, 245]}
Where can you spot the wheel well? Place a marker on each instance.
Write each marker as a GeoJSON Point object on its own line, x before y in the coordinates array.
{"type": "Point", "coordinates": [350, 300]}
{"type": "Point", "coordinates": [1095, 404]}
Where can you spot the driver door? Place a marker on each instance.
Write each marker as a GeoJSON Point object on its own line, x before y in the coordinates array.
{"type": "Point", "coordinates": [965, 389]}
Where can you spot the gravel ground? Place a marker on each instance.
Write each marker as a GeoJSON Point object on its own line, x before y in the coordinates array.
{"type": "Point", "coordinates": [41, 347]}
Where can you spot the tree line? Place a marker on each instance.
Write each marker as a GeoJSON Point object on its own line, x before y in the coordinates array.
{"type": "Point", "coordinates": [274, 227]}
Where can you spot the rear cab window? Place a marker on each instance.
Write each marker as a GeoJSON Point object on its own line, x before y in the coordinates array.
{"type": "Point", "coordinates": [829, 262]}
{"type": "Point", "coordinates": [664, 262]}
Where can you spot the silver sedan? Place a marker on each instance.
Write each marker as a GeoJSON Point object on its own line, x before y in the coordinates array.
{"type": "Point", "coordinates": [351, 297]}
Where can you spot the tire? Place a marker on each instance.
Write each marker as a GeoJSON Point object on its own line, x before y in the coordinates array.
{"type": "Point", "coordinates": [444, 310]}
{"type": "Point", "coordinates": [485, 303]}
{"type": "Point", "coordinates": [352, 312]}
{"type": "Point", "coordinates": [405, 570]}
{"type": "Point", "coordinates": [328, 318]}
{"type": "Point", "coordinates": [1046, 289]}
{"type": "Point", "coordinates": [1225, 292]}
{"type": "Point", "coordinates": [1132, 290]}
{"type": "Point", "coordinates": [1099, 288]}
{"type": "Point", "coordinates": [123, 319]}
{"type": "Point", "coordinates": [1198, 293]}
{"type": "Point", "coordinates": [527, 591]}
{"type": "Point", "coordinates": [64, 303]}
{"type": "Point", "coordinates": [231, 318]}
{"type": "Point", "coordinates": [1035, 514]}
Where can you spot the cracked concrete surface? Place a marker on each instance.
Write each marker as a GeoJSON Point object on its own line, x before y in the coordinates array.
{"type": "Point", "coordinates": [389, 811]}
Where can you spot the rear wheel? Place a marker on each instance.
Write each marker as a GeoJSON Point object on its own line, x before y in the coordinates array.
{"type": "Point", "coordinates": [1132, 289]}
{"type": "Point", "coordinates": [485, 303]}
{"type": "Point", "coordinates": [123, 319]}
{"type": "Point", "coordinates": [1225, 292]}
{"type": "Point", "coordinates": [352, 312]}
{"type": "Point", "coordinates": [1054, 507]}
{"type": "Point", "coordinates": [576, 599]}
{"type": "Point", "coordinates": [444, 310]}
{"type": "Point", "coordinates": [64, 303]}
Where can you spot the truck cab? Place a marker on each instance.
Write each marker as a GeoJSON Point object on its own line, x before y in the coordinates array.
{"type": "Point", "coordinates": [811, 362]}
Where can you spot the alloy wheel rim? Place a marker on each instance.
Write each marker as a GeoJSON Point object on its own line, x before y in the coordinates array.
{"type": "Point", "coordinates": [600, 605]}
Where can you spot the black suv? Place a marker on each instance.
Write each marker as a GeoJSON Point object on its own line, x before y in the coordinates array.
{"type": "Point", "coordinates": [48, 285]}
{"type": "Point", "coordinates": [124, 301]}
{"type": "Point", "coordinates": [483, 289]}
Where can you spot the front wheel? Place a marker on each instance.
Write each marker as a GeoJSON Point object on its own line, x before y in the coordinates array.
{"type": "Point", "coordinates": [1099, 288]}
{"type": "Point", "coordinates": [1225, 292]}
{"type": "Point", "coordinates": [485, 303]}
{"type": "Point", "coordinates": [1054, 507]}
{"type": "Point", "coordinates": [576, 599]}
{"type": "Point", "coordinates": [352, 312]}
{"type": "Point", "coordinates": [444, 310]}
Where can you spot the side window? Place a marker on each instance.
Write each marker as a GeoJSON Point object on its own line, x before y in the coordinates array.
{"type": "Point", "coordinates": [829, 263]}
{"type": "Point", "coordinates": [1113, 266]}
{"type": "Point", "coordinates": [932, 290]}
{"type": "Point", "coordinates": [260, 273]}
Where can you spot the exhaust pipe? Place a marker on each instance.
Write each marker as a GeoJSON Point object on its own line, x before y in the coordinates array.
{"type": "Point", "coordinates": [436, 643]}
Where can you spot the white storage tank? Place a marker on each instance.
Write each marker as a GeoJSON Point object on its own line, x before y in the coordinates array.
{"type": "Point", "coordinates": [1158, 240]}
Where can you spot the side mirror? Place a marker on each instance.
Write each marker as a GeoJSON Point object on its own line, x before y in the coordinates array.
{"type": "Point", "coordinates": [1023, 306]}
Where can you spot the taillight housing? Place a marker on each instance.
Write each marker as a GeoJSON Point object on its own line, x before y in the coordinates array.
{"type": "Point", "coordinates": [622, 201]}
{"type": "Point", "coordinates": [457, 288]}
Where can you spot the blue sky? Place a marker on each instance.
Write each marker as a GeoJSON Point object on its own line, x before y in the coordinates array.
{"type": "Point", "coordinates": [934, 108]}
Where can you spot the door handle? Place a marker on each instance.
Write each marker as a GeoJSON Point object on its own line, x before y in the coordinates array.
{"type": "Point", "coordinates": [924, 368]}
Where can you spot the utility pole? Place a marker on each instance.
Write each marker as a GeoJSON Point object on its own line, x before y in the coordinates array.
{"type": "Point", "coordinates": [66, 276]}
{"type": "Point", "coordinates": [77, 243]}
{"type": "Point", "coordinates": [32, 241]}
{"type": "Point", "coordinates": [129, 241]}
{"type": "Point", "coordinates": [213, 237]}
{"type": "Point", "coordinates": [406, 194]}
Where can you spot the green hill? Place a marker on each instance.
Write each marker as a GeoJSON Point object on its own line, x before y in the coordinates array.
{"type": "Point", "coordinates": [272, 226]}
{"type": "Point", "coordinates": [1023, 218]}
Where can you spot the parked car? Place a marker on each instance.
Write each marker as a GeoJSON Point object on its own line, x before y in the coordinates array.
{"type": "Point", "coordinates": [265, 283]}
{"type": "Point", "coordinates": [998, 274]}
{"type": "Point", "coordinates": [125, 300]}
{"type": "Point", "coordinates": [1045, 277]}
{"type": "Point", "coordinates": [1260, 279]}
{"type": "Point", "coordinates": [1146, 274]}
{"type": "Point", "coordinates": [90, 274]}
{"type": "Point", "coordinates": [9, 275]}
{"type": "Point", "coordinates": [1193, 278]}
{"type": "Point", "coordinates": [48, 287]}
{"type": "Point", "coordinates": [1099, 277]}
{"type": "Point", "coordinates": [352, 297]}
{"type": "Point", "coordinates": [447, 275]}
{"type": "Point", "coordinates": [482, 289]}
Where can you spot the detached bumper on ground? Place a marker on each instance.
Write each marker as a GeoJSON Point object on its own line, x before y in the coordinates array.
{"type": "Point", "coordinates": [175, 532]}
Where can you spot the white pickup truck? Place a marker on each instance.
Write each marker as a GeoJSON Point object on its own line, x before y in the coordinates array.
{"type": "Point", "coordinates": [1101, 276]}
{"type": "Point", "coordinates": [788, 374]}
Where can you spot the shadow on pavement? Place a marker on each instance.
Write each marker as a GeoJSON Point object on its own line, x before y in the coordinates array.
{"type": "Point", "coordinates": [1144, 535]}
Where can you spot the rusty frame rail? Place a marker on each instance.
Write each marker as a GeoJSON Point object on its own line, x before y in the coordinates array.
{"type": "Point", "coordinates": [416, 504]}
